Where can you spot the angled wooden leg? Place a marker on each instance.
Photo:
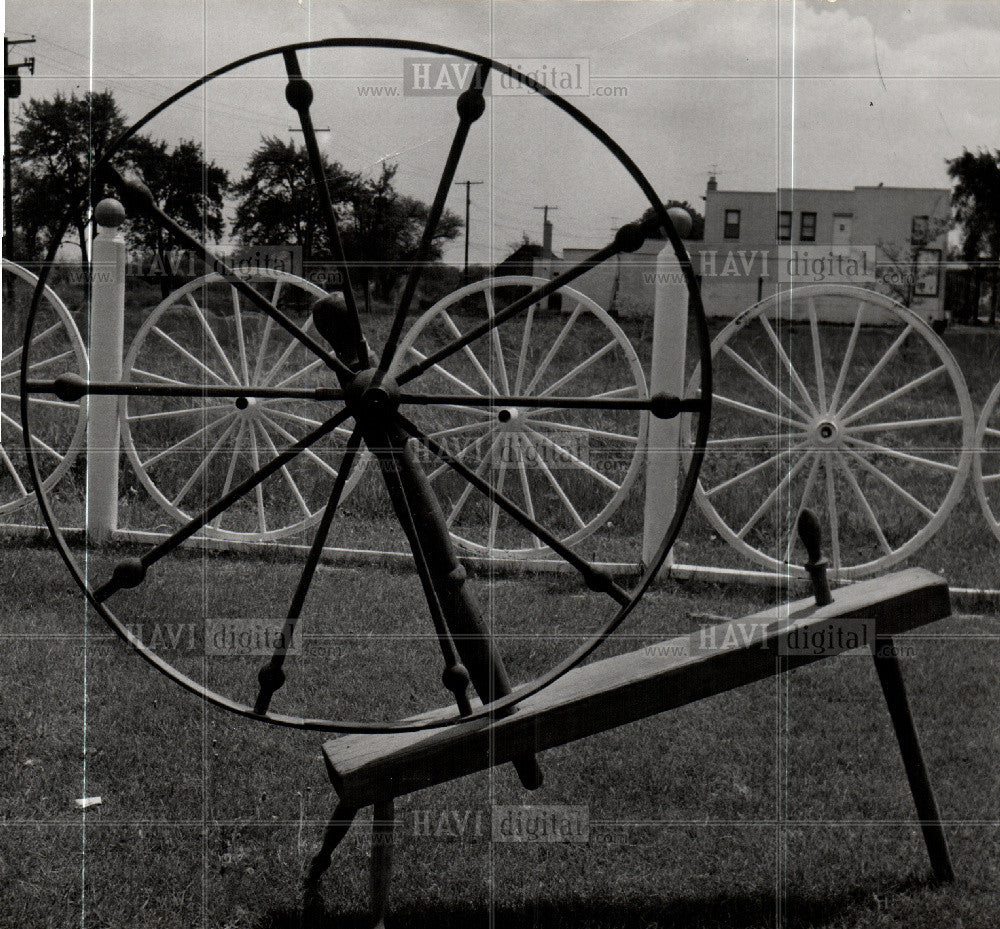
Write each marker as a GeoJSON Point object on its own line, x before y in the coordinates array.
{"type": "Point", "coordinates": [336, 829]}
{"type": "Point", "coordinates": [383, 826]}
{"type": "Point", "coordinates": [891, 678]}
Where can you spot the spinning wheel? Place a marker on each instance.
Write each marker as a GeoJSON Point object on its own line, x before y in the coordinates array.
{"type": "Point", "coordinates": [820, 389]}
{"type": "Point", "coordinates": [986, 471]}
{"type": "Point", "coordinates": [575, 466]}
{"type": "Point", "coordinates": [353, 396]}
{"type": "Point", "coordinates": [59, 425]}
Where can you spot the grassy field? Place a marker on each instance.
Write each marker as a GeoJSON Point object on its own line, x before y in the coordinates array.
{"type": "Point", "coordinates": [782, 804]}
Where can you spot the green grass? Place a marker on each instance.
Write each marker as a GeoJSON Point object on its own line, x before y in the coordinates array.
{"type": "Point", "coordinates": [696, 816]}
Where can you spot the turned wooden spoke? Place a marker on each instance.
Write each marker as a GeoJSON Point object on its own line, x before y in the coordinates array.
{"type": "Point", "coordinates": [594, 578]}
{"type": "Point", "coordinates": [221, 505]}
{"type": "Point", "coordinates": [896, 394]}
{"type": "Point", "coordinates": [299, 95]}
{"type": "Point", "coordinates": [471, 105]}
{"type": "Point", "coordinates": [271, 676]}
{"type": "Point", "coordinates": [787, 362]}
{"type": "Point", "coordinates": [187, 440]}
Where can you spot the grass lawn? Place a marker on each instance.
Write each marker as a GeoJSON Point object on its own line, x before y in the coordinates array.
{"type": "Point", "coordinates": [783, 803]}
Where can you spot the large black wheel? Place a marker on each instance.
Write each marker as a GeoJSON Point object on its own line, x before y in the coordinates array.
{"type": "Point", "coordinates": [385, 408]}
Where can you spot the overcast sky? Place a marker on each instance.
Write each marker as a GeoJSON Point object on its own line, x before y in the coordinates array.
{"type": "Point", "coordinates": [810, 93]}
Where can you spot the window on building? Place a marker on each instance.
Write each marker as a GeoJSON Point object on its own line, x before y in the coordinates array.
{"type": "Point", "coordinates": [807, 228]}
{"type": "Point", "coordinates": [920, 230]}
{"type": "Point", "coordinates": [731, 229]}
{"type": "Point", "coordinates": [784, 225]}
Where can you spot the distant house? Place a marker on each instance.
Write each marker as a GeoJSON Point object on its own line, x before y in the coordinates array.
{"type": "Point", "coordinates": [529, 259]}
{"type": "Point", "coordinates": [523, 260]}
{"type": "Point", "coordinates": [758, 243]}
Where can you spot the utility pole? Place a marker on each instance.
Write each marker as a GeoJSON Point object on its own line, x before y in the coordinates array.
{"type": "Point", "coordinates": [547, 247]}
{"type": "Point", "coordinates": [546, 226]}
{"type": "Point", "coordinates": [11, 91]}
{"type": "Point", "coordinates": [468, 203]}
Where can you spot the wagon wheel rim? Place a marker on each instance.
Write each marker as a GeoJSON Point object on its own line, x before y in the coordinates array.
{"type": "Point", "coordinates": [528, 439]}
{"type": "Point", "coordinates": [60, 349]}
{"type": "Point", "coordinates": [131, 573]}
{"type": "Point", "coordinates": [826, 435]}
{"type": "Point", "coordinates": [986, 462]}
{"type": "Point", "coordinates": [239, 349]}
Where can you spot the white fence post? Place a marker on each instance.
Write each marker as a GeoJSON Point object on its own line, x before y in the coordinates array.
{"type": "Point", "coordinates": [107, 333]}
{"type": "Point", "coordinates": [670, 319]}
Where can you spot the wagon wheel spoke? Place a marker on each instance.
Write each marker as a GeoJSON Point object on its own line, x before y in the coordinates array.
{"type": "Point", "coordinates": [878, 368]}
{"type": "Point", "coordinates": [595, 579]}
{"type": "Point", "coordinates": [848, 359]}
{"type": "Point", "coordinates": [471, 105]}
{"type": "Point", "coordinates": [131, 574]}
{"type": "Point", "coordinates": [793, 374]}
{"type": "Point", "coordinates": [779, 394]}
{"type": "Point", "coordinates": [187, 440]}
{"type": "Point", "coordinates": [628, 236]}
{"type": "Point", "coordinates": [803, 503]}
{"type": "Point", "coordinates": [833, 513]}
{"type": "Point", "coordinates": [772, 496]}
{"type": "Point", "coordinates": [866, 507]}
{"type": "Point", "coordinates": [887, 481]}
{"type": "Point", "coordinates": [271, 676]}
{"type": "Point", "coordinates": [755, 469]}
{"type": "Point", "coordinates": [896, 394]}
{"type": "Point", "coordinates": [817, 353]}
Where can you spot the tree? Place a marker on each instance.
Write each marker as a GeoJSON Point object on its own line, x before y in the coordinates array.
{"type": "Point", "coordinates": [898, 266]}
{"type": "Point", "coordinates": [54, 151]}
{"type": "Point", "coordinates": [278, 202]}
{"type": "Point", "coordinates": [380, 228]}
{"type": "Point", "coordinates": [697, 232]}
{"type": "Point", "coordinates": [187, 188]}
{"type": "Point", "coordinates": [975, 199]}
{"type": "Point", "coordinates": [388, 227]}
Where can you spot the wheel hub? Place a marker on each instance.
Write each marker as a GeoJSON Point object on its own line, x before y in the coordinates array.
{"type": "Point", "coordinates": [509, 419]}
{"type": "Point", "coordinates": [825, 431]}
{"type": "Point", "coordinates": [372, 399]}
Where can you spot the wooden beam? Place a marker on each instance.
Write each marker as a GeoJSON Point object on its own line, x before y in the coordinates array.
{"type": "Point", "coordinates": [368, 769]}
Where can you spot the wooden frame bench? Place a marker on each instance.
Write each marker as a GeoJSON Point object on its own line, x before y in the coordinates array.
{"type": "Point", "coordinates": [372, 770]}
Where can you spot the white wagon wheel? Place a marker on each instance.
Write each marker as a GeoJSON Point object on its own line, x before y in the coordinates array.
{"type": "Point", "coordinates": [986, 465]}
{"type": "Point", "coordinates": [185, 450]}
{"type": "Point", "coordinates": [573, 468]}
{"type": "Point", "coordinates": [838, 399]}
{"type": "Point", "coordinates": [59, 429]}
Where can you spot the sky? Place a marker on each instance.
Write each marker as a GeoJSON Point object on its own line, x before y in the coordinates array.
{"type": "Point", "coordinates": [808, 93]}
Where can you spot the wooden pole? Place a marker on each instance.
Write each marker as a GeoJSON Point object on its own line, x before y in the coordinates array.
{"type": "Point", "coordinates": [107, 328]}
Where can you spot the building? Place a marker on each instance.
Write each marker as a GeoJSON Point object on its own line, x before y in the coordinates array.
{"type": "Point", "coordinates": [757, 243]}
{"type": "Point", "coordinates": [892, 239]}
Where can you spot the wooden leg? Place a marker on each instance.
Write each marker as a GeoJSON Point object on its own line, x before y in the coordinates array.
{"type": "Point", "coordinates": [337, 828]}
{"type": "Point", "coordinates": [891, 678]}
{"type": "Point", "coordinates": [383, 827]}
